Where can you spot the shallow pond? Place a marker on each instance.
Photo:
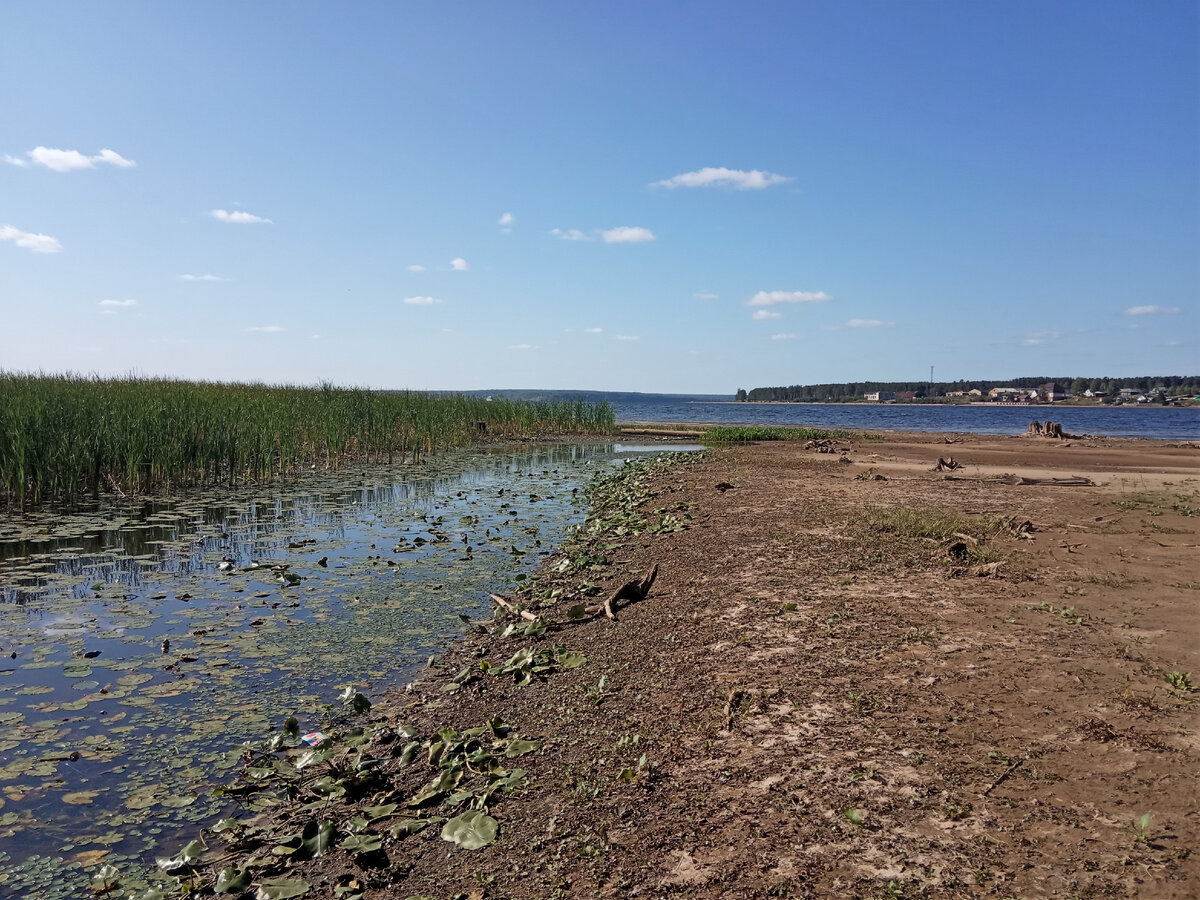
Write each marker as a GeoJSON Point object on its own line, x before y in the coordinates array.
{"type": "Point", "coordinates": [140, 642]}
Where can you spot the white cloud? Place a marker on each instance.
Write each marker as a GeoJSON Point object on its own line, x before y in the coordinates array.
{"type": "Point", "coordinates": [761, 314]}
{"type": "Point", "coordinates": [238, 217]}
{"type": "Point", "coordinates": [868, 323]}
{"type": "Point", "coordinates": [458, 264]}
{"type": "Point", "coordinates": [507, 220]}
{"type": "Point", "coordinates": [704, 295]}
{"type": "Point", "coordinates": [70, 160]}
{"type": "Point", "coordinates": [627, 337]}
{"type": "Point", "coordinates": [38, 243]}
{"type": "Point", "coordinates": [521, 347]}
{"type": "Point", "coordinates": [571, 234]}
{"type": "Point", "coordinates": [114, 159]}
{"type": "Point", "coordinates": [421, 301]}
{"type": "Point", "coordinates": [783, 337]}
{"type": "Point", "coordinates": [416, 268]}
{"type": "Point", "coordinates": [1151, 310]}
{"type": "Point", "coordinates": [770, 298]}
{"type": "Point", "coordinates": [267, 329]}
{"type": "Point", "coordinates": [742, 180]}
{"type": "Point", "coordinates": [594, 330]}
{"type": "Point", "coordinates": [1037, 338]}
{"type": "Point", "coordinates": [112, 307]}
{"type": "Point", "coordinates": [627, 234]}
{"type": "Point", "coordinates": [201, 278]}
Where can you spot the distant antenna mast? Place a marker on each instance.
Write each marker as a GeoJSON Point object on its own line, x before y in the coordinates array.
{"type": "Point", "coordinates": [931, 381]}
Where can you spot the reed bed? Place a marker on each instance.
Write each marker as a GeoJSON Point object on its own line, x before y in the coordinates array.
{"type": "Point", "coordinates": [67, 436]}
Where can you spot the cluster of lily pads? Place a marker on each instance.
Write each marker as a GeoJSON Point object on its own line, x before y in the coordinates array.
{"type": "Point", "coordinates": [116, 713]}
{"type": "Point", "coordinates": [320, 785]}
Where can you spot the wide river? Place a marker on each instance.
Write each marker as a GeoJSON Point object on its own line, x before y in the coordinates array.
{"type": "Point", "coordinates": [1169, 423]}
{"type": "Point", "coordinates": [142, 641]}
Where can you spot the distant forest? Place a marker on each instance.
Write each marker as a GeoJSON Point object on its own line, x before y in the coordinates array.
{"type": "Point", "coordinates": [1175, 385]}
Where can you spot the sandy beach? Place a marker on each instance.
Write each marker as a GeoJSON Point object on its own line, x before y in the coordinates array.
{"type": "Point", "coordinates": [854, 676]}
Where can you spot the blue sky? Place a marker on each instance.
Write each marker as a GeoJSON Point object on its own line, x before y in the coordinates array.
{"type": "Point", "coordinates": [624, 196]}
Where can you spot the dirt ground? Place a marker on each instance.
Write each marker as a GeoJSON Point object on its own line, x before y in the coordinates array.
{"type": "Point", "coordinates": [829, 694]}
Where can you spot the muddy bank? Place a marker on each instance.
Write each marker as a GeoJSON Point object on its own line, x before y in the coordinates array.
{"type": "Point", "coordinates": [852, 677]}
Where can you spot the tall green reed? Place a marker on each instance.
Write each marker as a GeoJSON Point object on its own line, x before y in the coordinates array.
{"type": "Point", "coordinates": [67, 436]}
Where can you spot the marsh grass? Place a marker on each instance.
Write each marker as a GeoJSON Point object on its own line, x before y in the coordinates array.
{"type": "Point", "coordinates": [67, 436]}
{"type": "Point", "coordinates": [731, 434]}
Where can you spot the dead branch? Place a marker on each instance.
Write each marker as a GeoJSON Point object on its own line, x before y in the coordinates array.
{"type": "Point", "coordinates": [523, 613]}
{"type": "Point", "coordinates": [631, 591]}
{"type": "Point", "coordinates": [1003, 775]}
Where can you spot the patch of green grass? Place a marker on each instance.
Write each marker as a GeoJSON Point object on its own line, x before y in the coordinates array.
{"type": "Point", "coordinates": [733, 434]}
{"type": "Point", "coordinates": [924, 522]}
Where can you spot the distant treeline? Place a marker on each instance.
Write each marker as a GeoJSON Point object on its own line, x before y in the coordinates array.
{"type": "Point", "coordinates": [1175, 386]}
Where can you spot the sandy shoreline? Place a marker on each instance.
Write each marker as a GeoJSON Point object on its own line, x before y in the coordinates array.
{"type": "Point", "coordinates": [818, 698]}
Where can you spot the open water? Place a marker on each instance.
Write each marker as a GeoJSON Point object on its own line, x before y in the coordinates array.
{"type": "Point", "coordinates": [1168, 423]}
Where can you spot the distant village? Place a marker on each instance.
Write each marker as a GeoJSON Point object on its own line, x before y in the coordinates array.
{"type": "Point", "coordinates": [1050, 392]}
{"type": "Point", "coordinates": [1163, 391]}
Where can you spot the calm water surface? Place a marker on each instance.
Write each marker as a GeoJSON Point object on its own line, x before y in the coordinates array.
{"type": "Point", "coordinates": [140, 642]}
{"type": "Point", "coordinates": [1170, 423]}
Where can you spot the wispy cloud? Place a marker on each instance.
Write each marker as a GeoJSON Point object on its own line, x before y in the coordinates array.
{"type": "Point", "coordinates": [416, 268]}
{"type": "Point", "coordinates": [1151, 310]}
{"type": "Point", "coordinates": [868, 323]}
{"type": "Point", "coordinates": [507, 221]}
{"type": "Point", "coordinates": [237, 217]}
{"type": "Point", "coordinates": [594, 330]}
{"type": "Point", "coordinates": [458, 264]}
{"type": "Point", "coordinates": [627, 337]}
{"type": "Point", "coordinates": [421, 301]}
{"type": "Point", "coordinates": [201, 278]}
{"type": "Point", "coordinates": [570, 234]}
{"type": "Point", "coordinates": [704, 295]}
{"type": "Point", "coordinates": [69, 160]}
{"type": "Point", "coordinates": [789, 336]}
{"type": "Point", "coordinates": [521, 347]}
{"type": "Point", "coordinates": [627, 234]}
{"type": "Point", "coordinates": [761, 314]}
{"type": "Point", "coordinates": [1037, 338]}
{"type": "Point", "coordinates": [38, 243]}
{"type": "Point", "coordinates": [739, 179]}
{"type": "Point", "coordinates": [770, 298]}
{"type": "Point", "coordinates": [267, 329]}
{"type": "Point", "coordinates": [112, 307]}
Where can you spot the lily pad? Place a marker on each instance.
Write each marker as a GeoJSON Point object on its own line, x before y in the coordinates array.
{"type": "Point", "coordinates": [281, 888]}
{"type": "Point", "coordinates": [472, 830]}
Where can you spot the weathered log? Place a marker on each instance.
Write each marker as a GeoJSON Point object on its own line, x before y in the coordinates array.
{"type": "Point", "coordinates": [1075, 481]}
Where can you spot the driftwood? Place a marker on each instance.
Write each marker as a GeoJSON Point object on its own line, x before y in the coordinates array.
{"type": "Point", "coordinates": [1074, 481]}
{"type": "Point", "coordinates": [947, 465]}
{"type": "Point", "coordinates": [1047, 429]}
{"type": "Point", "coordinates": [523, 613]}
{"type": "Point", "coordinates": [631, 591]}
